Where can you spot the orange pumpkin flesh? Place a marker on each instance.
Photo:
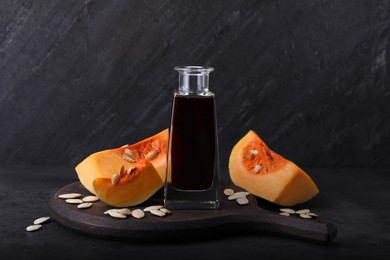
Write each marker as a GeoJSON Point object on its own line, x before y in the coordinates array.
{"type": "Point", "coordinates": [105, 163]}
{"type": "Point", "coordinates": [266, 174]}
{"type": "Point", "coordinates": [132, 188]}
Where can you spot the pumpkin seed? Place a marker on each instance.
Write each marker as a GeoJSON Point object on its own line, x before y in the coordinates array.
{"type": "Point", "coordinates": [124, 145]}
{"type": "Point", "coordinates": [69, 196]}
{"type": "Point", "coordinates": [130, 153]}
{"type": "Point", "coordinates": [237, 195]}
{"type": "Point", "coordinates": [284, 214]}
{"type": "Point", "coordinates": [85, 205]}
{"type": "Point", "coordinates": [304, 215]}
{"type": "Point", "coordinates": [302, 211]}
{"type": "Point", "coordinates": [125, 211]}
{"type": "Point", "coordinates": [242, 201]}
{"type": "Point", "coordinates": [254, 152]}
{"type": "Point", "coordinates": [116, 214]}
{"type": "Point", "coordinates": [257, 168]}
{"type": "Point", "coordinates": [228, 192]}
{"type": "Point", "coordinates": [312, 214]}
{"type": "Point", "coordinates": [165, 210]}
{"type": "Point", "coordinates": [157, 212]}
{"type": "Point", "coordinates": [122, 171]}
{"type": "Point", "coordinates": [115, 178]}
{"type": "Point", "coordinates": [250, 157]}
{"type": "Point", "coordinates": [41, 220]}
{"type": "Point", "coordinates": [152, 207]}
{"type": "Point", "coordinates": [151, 155]}
{"type": "Point", "coordinates": [137, 213]}
{"type": "Point", "coordinates": [128, 158]}
{"type": "Point", "coordinates": [107, 212]}
{"type": "Point", "coordinates": [74, 201]}
{"type": "Point", "coordinates": [130, 170]}
{"type": "Point", "coordinates": [90, 199]}
{"type": "Point", "coordinates": [287, 210]}
{"type": "Point", "coordinates": [33, 227]}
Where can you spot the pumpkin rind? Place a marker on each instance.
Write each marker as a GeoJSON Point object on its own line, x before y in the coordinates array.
{"type": "Point", "coordinates": [280, 181]}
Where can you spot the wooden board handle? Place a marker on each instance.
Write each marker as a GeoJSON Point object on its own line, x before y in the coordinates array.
{"type": "Point", "coordinates": [294, 226]}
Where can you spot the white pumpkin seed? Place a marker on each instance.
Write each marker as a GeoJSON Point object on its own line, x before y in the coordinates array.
{"type": "Point", "coordinates": [137, 213]}
{"type": "Point", "coordinates": [130, 170]}
{"type": "Point", "coordinates": [116, 214]}
{"type": "Point", "coordinates": [287, 210]}
{"type": "Point", "coordinates": [242, 201]}
{"type": "Point", "coordinates": [151, 155]}
{"type": "Point", "coordinates": [33, 228]}
{"type": "Point", "coordinates": [130, 153]}
{"type": "Point", "coordinates": [252, 154]}
{"type": "Point", "coordinates": [240, 194]}
{"type": "Point", "coordinates": [90, 199]}
{"type": "Point", "coordinates": [128, 158]}
{"type": "Point", "coordinates": [312, 214]}
{"type": "Point", "coordinates": [152, 207]}
{"type": "Point", "coordinates": [157, 212]}
{"type": "Point", "coordinates": [166, 211]}
{"type": "Point", "coordinates": [250, 157]}
{"type": "Point", "coordinates": [115, 178]}
{"type": "Point", "coordinates": [125, 211]}
{"type": "Point", "coordinates": [69, 196]}
{"type": "Point", "coordinates": [284, 214]}
{"type": "Point", "coordinates": [124, 145]}
{"type": "Point", "coordinates": [85, 205]}
{"type": "Point", "coordinates": [302, 211]}
{"type": "Point", "coordinates": [74, 201]}
{"type": "Point", "coordinates": [228, 192]}
{"type": "Point", "coordinates": [304, 215]}
{"type": "Point", "coordinates": [41, 220]}
{"type": "Point", "coordinates": [107, 212]}
{"type": "Point", "coordinates": [257, 168]}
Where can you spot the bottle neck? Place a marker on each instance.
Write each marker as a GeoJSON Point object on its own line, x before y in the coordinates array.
{"type": "Point", "coordinates": [194, 80]}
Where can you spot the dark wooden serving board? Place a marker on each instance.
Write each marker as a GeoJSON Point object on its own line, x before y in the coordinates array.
{"type": "Point", "coordinates": [229, 219]}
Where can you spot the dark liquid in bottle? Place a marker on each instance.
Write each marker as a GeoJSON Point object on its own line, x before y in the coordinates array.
{"type": "Point", "coordinates": [193, 144]}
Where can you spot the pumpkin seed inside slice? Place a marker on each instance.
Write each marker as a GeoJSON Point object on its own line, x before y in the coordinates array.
{"type": "Point", "coordinates": [151, 155]}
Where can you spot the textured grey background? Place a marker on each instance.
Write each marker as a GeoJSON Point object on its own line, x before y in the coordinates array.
{"type": "Point", "coordinates": [310, 77]}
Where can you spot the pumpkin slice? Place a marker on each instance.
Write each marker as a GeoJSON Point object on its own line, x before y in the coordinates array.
{"type": "Point", "coordinates": [134, 186]}
{"type": "Point", "coordinates": [105, 163]}
{"type": "Point", "coordinates": [266, 174]}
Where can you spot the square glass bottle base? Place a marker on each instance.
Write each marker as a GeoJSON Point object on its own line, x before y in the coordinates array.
{"type": "Point", "coordinates": [179, 199]}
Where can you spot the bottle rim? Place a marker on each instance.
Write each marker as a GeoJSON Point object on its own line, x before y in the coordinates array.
{"type": "Point", "coordinates": [194, 70]}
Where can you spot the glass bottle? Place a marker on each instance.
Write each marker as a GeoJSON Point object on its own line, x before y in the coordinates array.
{"type": "Point", "coordinates": [193, 162]}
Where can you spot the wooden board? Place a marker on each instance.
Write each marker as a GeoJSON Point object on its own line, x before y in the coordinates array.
{"type": "Point", "coordinates": [230, 219]}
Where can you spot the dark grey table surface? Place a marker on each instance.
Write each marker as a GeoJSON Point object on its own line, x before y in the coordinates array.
{"type": "Point", "coordinates": [357, 201]}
